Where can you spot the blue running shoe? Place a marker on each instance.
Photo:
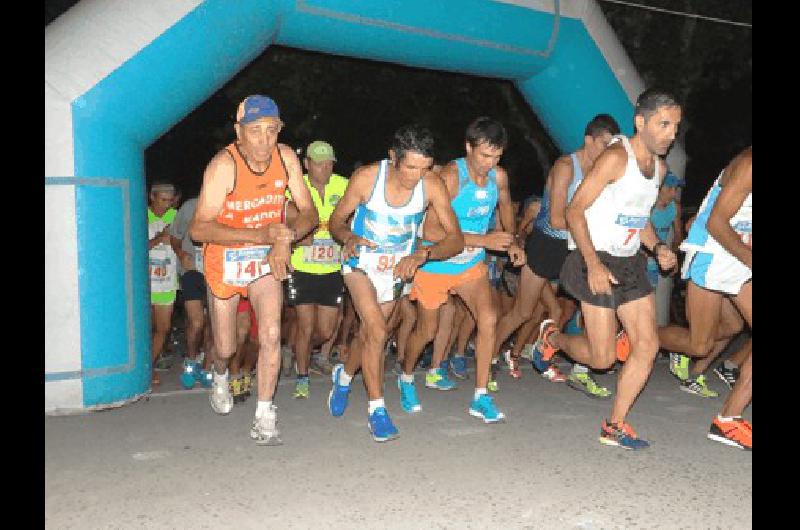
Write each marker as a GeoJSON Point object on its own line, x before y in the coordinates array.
{"type": "Point", "coordinates": [408, 396]}
{"type": "Point", "coordinates": [191, 373]}
{"type": "Point", "coordinates": [445, 365]}
{"type": "Point", "coordinates": [484, 408]}
{"type": "Point", "coordinates": [621, 435]}
{"type": "Point", "coordinates": [458, 365]}
{"type": "Point", "coordinates": [381, 426]}
{"type": "Point", "coordinates": [206, 378]}
{"type": "Point", "coordinates": [337, 399]}
{"type": "Point", "coordinates": [439, 380]}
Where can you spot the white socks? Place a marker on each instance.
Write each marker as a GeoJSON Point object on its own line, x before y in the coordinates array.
{"type": "Point", "coordinates": [374, 404]}
{"type": "Point", "coordinates": [220, 379]}
{"type": "Point", "coordinates": [263, 406]}
{"type": "Point", "coordinates": [407, 378]}
{"type": "Point", "coordinates": [344, 379]}
{"type": "Point", "coordinates": [479, 392]}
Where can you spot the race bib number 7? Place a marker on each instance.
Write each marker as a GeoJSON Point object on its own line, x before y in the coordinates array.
{"type": "Point", "coordinates": [633, 224]}
{"type": "Point", "coordinates": [242, 266]}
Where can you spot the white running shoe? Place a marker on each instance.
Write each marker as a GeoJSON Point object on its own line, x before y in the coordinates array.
{"type": "Point", "coordinates": [220, 397]}
{"type": "Point", "coordinates": [265, 428]}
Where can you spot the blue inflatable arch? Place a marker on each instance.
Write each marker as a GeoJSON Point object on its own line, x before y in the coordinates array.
{"type": "Point", "coordinates": [118, 74]}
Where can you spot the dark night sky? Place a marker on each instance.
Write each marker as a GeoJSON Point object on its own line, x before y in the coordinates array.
{"type": "Point", "coordinates": [357, 104]}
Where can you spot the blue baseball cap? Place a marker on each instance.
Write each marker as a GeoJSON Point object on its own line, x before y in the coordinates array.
{"type": "Point", "coordinates": [255, 107]}
{"type": "Point", "coordinates": [672, 181]}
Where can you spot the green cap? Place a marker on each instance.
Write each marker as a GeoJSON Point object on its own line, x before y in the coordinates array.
{"type": "Point", "coordinates": [320, 151]}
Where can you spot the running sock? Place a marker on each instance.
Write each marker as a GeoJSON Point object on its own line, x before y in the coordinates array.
{"type": "Point", "coordinates": [344, 378]}
{"type": "Point", "coordinates": [263, 406]}
{"type": "Point", "coordinates": [722, 418]}
{"type": "Point", "coordinates": [579, 369]}
{"type": "Point", "coordinates": [220, 379]}
{"type": "Point", "coordinates": [374, 404]}
{"type": "Point", "coordinates": [305, 376]}
{"type": "Point", "coordinates": [407, 378]}
{"type": "Point", "coordinates": [729, 365]}
{"type": "Point", "coordinates": [433, 371]}
{"type": "Point", "coordinates": [479, 392]}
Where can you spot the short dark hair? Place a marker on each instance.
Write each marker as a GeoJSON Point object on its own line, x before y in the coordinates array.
{"type": "Point", "coordinates": [653, 99]}
{"type": "Point", "coordinates": [489, 130]}
{"type": "Point", "coordinates": [415, 138]}
{"type": "Point", "coordinates": [600, 124]}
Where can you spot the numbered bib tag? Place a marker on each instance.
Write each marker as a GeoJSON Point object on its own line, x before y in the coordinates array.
{"type": "Point", "coordinates": [466, 255]}
{"type": "Point", "coordinates": [162, 271]}
{"type": "Point", "coordinates": [198, 260]}
{"type": "Point", "coordinates": [322, 252]}
{"type": "Point", "coordinates": [629, 227]}
{"type": "Point", "coordinates": [745, 230]}
{"type": "Point", "coordinates": [377, 263]}
{"type": "Point", "coordinates": [242, 266]}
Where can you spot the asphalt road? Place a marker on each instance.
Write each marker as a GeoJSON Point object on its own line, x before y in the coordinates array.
{"type": "Point", "coordinates": [170, 462]}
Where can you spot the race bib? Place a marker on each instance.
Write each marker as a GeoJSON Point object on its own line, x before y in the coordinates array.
{"type": "Point", "coordinates": [379, 263]}
{"type": "Point", "coordinates": [198, 260]}
{"type": "Point", "coordinates": [322, 252]}
{"type": "Point", "coordinates": [745, 230]}
{"type": "Point", "coordinates": [162, 271]}
{"type": "Point", "coordinates": [242, 266]}
{"type": "Point", "coordinates": [467, 255]}
{"type": "Point", "coordinates": [632, 225]}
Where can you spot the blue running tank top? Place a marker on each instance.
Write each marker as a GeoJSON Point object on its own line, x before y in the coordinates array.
{"type": "Point", "coordinates": [474, 207]}
{"type": "Point", "coordinates": [393, 229]}
{"type": "Point", "coordinates": [542, 221]}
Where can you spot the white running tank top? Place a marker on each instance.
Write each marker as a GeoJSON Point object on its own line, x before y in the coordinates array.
{"type": "Point", "coordinates": [622, 209]}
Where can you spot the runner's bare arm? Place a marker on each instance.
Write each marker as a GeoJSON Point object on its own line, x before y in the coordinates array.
{"type": "Point", "coordinates": [357, 192]}
{"type": "Point", "coordinates": [738, 184]}
{"type": "Point", "coordinates": [561, 174]}
{"type": "Point", "coordinates": [610, 165]}
{"type": "Point", "coordinates": [439, 201]}
{"type": "Point", "coordinates": [307, 216]}
{"type": "Point", "coordinates": [531, 212]}
{"type": "Point", "coordinates": [506, 216]}
{"type": "Point", "coordinates": [664, 254]}
{"type": "Point", "coordinates": [218, 181]}
{"type": "Point", "coordinates": [677, 233]}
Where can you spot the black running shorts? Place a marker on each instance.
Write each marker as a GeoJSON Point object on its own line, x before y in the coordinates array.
{"type": "Point", "coordinates": [193, 286]}
{"type": "Point", "coordinates": [631, 272]}
{"type": "Point", "coordinates": [320, 289]}
{"type": "Point", "coordinates": [545, 254]}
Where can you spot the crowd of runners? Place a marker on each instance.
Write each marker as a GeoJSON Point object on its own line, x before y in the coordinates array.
{"type": "Point", "coordinates": [438, 266]}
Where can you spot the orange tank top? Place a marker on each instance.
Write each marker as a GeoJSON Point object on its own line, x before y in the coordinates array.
{"type": "Point", "coordinates": [257, 199]}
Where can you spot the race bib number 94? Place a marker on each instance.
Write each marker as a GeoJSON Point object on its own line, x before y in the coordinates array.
{"type": "Point", "coordinates": [322, 252]}
{"type": "Point", "coordinates": [243, 266]}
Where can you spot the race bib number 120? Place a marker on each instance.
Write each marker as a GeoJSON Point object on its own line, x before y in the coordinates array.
{"type": "Point", "coordinates": [322, 252]}
{"type": "Point", "coordinates": [243, 266]}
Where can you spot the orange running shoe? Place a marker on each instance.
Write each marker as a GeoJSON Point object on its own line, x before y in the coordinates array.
{"type": "Point", "coordinates": [623, 346]}
{"type": "Point", "coordinates": [734, 431]}
{"type": "Point", "coordinates": [546, 329]}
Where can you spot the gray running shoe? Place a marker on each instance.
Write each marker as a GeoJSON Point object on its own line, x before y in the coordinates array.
{"type": "Point", "coordinates": [265, 428]}
{"type": "Point", "coordinates": [220, 397]}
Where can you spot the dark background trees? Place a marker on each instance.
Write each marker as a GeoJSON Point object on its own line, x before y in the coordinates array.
{"type": "Point", "coordinates": [357, 104]}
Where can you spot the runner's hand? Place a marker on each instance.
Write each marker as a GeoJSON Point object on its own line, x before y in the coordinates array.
{"type": "Point", "coordinates": [408, 265]}
{"type": "Point", "coordinates": [279, 260]}
{"type": "Point", "coordinates": [517, 255]}
{"type": "Point", "coordinates": [600, 279]}
{"type": "Point", "coordinates": [666, 258]}
{"type": "Point", "coordinates": [497, 240]}
{"type": "Point", "coordinates": [350, 247]}
{"type": "Point", "coordinates": [274, 233]}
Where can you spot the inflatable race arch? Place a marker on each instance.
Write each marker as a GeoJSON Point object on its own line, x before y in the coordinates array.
{"type": "Point", "coordinates": [120, 73]}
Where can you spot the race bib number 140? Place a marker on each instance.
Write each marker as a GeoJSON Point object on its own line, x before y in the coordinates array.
{"type": "Point", "coordinates": [243, 266]}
